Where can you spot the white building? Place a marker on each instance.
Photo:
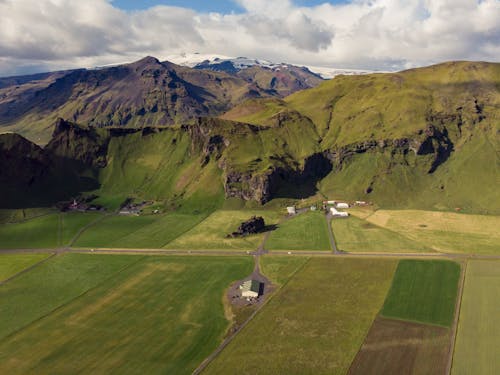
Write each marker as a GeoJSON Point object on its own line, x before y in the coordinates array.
{"type": "Point", "coordinates": [338, 213]}
{"type": "Point", "coordinates": [291, 210]}
{"type": "Point", "coordinates": [250, 289]}
{"type": "Point", "coordinates": [342, 205]}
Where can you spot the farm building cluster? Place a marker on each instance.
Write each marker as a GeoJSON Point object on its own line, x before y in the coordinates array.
{"type": "Point", "coordinates": [331, 207]}
{"type": "Point", "coordinates": [79, 206]}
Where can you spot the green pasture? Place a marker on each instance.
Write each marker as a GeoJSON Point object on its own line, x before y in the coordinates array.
{"type": "Point", "coordinates": [40, 232]}
{"type": "Point", "coordinates": [52, 284]}
{"type": "Point", "coordinates": [478, 335]}
{"type": "Point", "coordinates": [150, 231]}
{"type": "Point", "coordinates": [423, 291]}
{"type": "Point", "coordinates": [11, 264]}
{"type": "Point", "coordinates": [159, 315]}
{"type": "Point", "coordinates": [316, 322]}
{"type": "Point", "coordinates": [308, 231]}
{"type": "Point", "coordinates": [211, 233]}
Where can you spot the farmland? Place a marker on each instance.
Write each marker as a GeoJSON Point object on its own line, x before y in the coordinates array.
{"type": "Point", "coordinates": [441, 231]}
{"type": "Point", "coordinates": [147, 314]}
{"type": "Point", "coordinates": [478, 337]}
{"type": "Point", "coordinates": [53, 284]}
{"type": "Point", "coordinates": [40, 232]}
{"type": "Point", "coordinates": [423, 291]}
{"type": "Point", "coordinates": [47, 231]}
{"type": "Point", "coordinates": [212, 232]}
{"type": "Point", "coordinates": [298, 332]}
{"type": "Point", "coordinates": [149, 231]}
{"type": "Point", "coordinates": [355, 234]}
{"type": "Point", "coordinates": [398, 347]}
{"type": "Point", "coordinates": [307, 231]}
{"type": "Point", "coordinates": [11, 264]}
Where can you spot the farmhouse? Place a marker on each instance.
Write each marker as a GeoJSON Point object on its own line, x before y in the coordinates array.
{"type": "Point", "coordinates": [338, 213]}
{"type": "Point", "coordinates": [250, 289]}
{"type": "Point", "coordinates": [342, 205]}
{"type": "Point", "coordinates": [291, 210]}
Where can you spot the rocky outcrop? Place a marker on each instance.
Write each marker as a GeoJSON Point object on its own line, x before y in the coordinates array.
{"type": "Point", "coordinates": [22, 162]}
{"type": "Point", "coordinates": [254, 225]}
{"type": "Point", "coordinates": [87, 146]}
{"type": "Point", "coordinates": [291, 181]}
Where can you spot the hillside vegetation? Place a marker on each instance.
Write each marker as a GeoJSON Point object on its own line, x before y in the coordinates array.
{"type": "Point", "coordinates": [425, 138]}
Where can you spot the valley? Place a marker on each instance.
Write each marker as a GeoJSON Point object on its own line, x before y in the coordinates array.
{"type": "Point", "coordinates": [123, 189]}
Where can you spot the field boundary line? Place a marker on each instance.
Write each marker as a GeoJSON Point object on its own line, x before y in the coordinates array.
{"type": "Point", "coordinates": [206, 362]}
{"type": "Point", "coordinates": [187, 230]}
{"type": "Point", "coordinates": [72, 299]}
{"type": "Point", "coordinates": [458, 307]}
{"type": "Point", "coordinates": [30, 218]}
{"type": "Point", "coordinates": [85, 227]}
{"type": "Point", "coordinates": [26, 270]}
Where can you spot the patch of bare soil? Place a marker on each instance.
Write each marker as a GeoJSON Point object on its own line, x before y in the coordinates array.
{"type": "Point", "coordinates": [399, 348]}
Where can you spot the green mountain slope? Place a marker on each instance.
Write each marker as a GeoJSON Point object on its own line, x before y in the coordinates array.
{"type": "Point", "coordinates": [435, 146]}
{"type": "Point", "coordinates": [425, 138]}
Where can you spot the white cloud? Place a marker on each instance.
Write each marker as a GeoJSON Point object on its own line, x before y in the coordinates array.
{"type": "Point", "coordinates": [380, 34]}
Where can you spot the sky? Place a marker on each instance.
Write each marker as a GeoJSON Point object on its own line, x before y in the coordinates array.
{"type": "Point", "coordinates": [45, 35]}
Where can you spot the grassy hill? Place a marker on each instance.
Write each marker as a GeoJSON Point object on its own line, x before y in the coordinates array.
{"type": "Point", "coordinates": [418, 138]}
{"type": "Point", "coordinates": [425, 138]}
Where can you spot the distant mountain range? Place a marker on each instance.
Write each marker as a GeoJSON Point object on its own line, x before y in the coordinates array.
{"type": "Point", "coordinates": [425, 138]}
{"type": "Point", "coordinates": [236, 64]}
{"type": "Point", "coordinates": [145, 93]}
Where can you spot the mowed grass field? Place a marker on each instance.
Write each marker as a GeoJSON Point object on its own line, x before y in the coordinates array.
{"type": "Point", "coordinates": [478, 336]}
{"type": "Point", "coordinates": [307, 231]}
{"type": "Point", "coordinates": [40, 232]}
{"type": "Point", "coordinates": [423, 291]}
{"type": "Point", "coordinates": [156, 315]}
{"type": "Point", "coordinates": [11, 264]}
{"type": "Point", "coordinates": [149, 231]}
{"type": "Point", "coordinates": [47, 231]}
{"type": "Point", "coordinates": [211, 233]}
{"type": "Point", "coordinates": [357, 235]}
{"type": "Point", "coordinates": [52, 284]}
{"type": "Point", "coordinates": [441, 231]}
{"type": "Point", "coordinates": [315, 323]}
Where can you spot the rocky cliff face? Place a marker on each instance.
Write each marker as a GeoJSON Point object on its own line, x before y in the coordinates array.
{"type": "Point", "coordinates": [21, 161]}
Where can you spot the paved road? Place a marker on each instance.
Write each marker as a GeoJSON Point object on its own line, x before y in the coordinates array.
{"type": "Point", "coordinates": [331, 237]}
{"type": "Point", "coordinates": [317, 253]}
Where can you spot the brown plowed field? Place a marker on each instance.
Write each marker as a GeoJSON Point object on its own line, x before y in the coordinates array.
{"type": "Point", "coordinates": [398, 347]}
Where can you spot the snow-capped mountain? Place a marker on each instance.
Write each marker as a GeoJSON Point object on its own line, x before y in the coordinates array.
{"type": "Point", "coordinates": [235, 64]}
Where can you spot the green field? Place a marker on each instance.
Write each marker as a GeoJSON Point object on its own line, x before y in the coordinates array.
{"type": "Point", "coordinates": [53, 284]}
{"type": "Point", "coordinates": [442, 231]}
{"type": "Point", "coordinates": [212, 232]}
{"type": "Point", "coordinates": [159, 315]}
{"type": "Point", "coordinates": [47, 231]}
{"type": "Point", "coordinates": [11, 264]}
{"type": "Point", "coordinates": [478, 335]}
{"type": "Point", "coordinates": [280, 269]}
{"type": "Point", "coordinates": [40, 232]}
{"type": "Point", "coordinates": [152, 231]}
{"type": "Point", "coordinates": [423, 291]}
{"type": "Point", "coordinates": [307, 231]}
{"type": "Point", "coordinates": [315, 323]}
{"type": "Point", "coordinates": [355, 234]}
{"type": "Point", "coordinates": [72, 222]}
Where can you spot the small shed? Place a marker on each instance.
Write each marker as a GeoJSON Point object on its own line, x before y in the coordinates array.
{"type": "Point", "coordinates": [250, 289]}
{"type": "Point", "coordinates": [342, 205]}
{"type": "Point", "coordinates": [291, 210]}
